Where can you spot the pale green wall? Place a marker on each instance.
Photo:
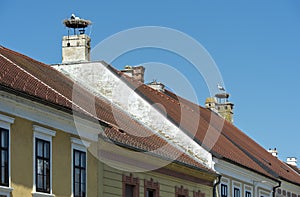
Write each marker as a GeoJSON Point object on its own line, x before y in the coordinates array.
{"type": "Point", "coordinates": [112, 184]}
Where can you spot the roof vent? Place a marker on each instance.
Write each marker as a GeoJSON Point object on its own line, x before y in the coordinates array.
{"type": "Point", "coordinates": [291, 161]}
{"type": "Point", "coordinates": [274, 152]}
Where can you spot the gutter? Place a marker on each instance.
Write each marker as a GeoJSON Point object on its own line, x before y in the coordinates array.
{"type": "Point", "coordinates": [274, 188]}
{"type": "Point", "coordinates": [215, 186]}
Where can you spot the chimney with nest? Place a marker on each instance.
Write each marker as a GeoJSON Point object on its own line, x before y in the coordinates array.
{"type": "Point", "coordinates": [136, 72]}
{"type": "Point", "coordinates": [291, 161]}
{"type": "Point", "coordinates": [274, 152]}
{"type": "Point", "coordinates": [76, 47]}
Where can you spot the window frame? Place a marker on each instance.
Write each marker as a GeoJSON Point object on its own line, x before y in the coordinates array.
{"type": "Point", "coordinates": [43, 158]}
{"type": "Point", "coordinates": [181, 191]}
{"type": "Point", "coordinates": [5, 123]}
{"type": "Point", "coordinates": [6, 150]}
{"type": "Point", "coordinates": [133, 181]}
{"type": "Point", "coordinates": [236, 189]}
{"type": "Point", "coordinates": [151, 185]}
{"type": "Point", "coordinates": [248, 188]}
{"type": "Point", "coordinates": [46, 135]}
{"type": "Point", "coordinates": [79, 145]}
{"type": "Point", "coordinates": [81, 153]}
{"type": "Point", "coordinates": [198, 194]}
{"type": "Point", "coordinates": [236, 185]}
{"type": "Point", "coordinates": [221, 189]}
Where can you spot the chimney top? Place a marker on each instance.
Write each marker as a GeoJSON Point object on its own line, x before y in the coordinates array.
{"type": "Point", "coordinates": [220, 104]}
{"type": "Point", "coordinates": [157, 86]}
{"type": "Point", "coordinates": [274, 152]}
{"type": "Point", "coordinates": [136, 72]}
{"type": "Point", "coordinates": [291, 161]}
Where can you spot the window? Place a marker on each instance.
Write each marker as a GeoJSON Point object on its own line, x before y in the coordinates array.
{"type": "Point", "coordinates": [79, 167]}
{"type": "Point", "coordinates": [198, 194]}
{"type": "Point", "coordinates": [4, 157]}
{"type": "Point", "coordinates": [237, 192]}
{"type": "Point", "coordinates": [248, 194]}
{"type": "Point", "coordinates": [181, 192]}
{"type": "Point", "coordinates": [224, 190]}
{"type": "Point", "coordinates": [130, 186]}
{"type": "Point", "coordinates": [5, 123]}
{"type": "Point", "coordinates": [151, 188]}
{"type": "Point", "coordinates": [42, 165]}
{"type": "Point", "coordinates": [79, 173]}
{"type": "Point", "coordinates": [42, 161]}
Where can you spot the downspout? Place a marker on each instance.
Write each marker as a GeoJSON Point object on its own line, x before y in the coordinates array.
{"type": "Point", "coordinates": [215, 186]}
{"type": "Point", "coordinates": [274, 188]}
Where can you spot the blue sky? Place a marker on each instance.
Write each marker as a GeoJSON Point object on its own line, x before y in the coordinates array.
{"type": "Point", "coordinates": [255, 44]}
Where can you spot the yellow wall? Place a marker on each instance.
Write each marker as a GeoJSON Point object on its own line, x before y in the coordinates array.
{"type": "Point", "coordinates": [21, 157]}
{"type": "Point", "coordinates": [102, 179]}
{"type": "Point", "coordinates": [22, 162]}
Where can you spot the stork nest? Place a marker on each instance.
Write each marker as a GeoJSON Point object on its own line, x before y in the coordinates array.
{"type": "Point", "coordinates": [76, 23]}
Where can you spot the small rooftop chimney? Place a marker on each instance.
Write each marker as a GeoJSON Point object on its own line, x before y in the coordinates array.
{"type": "Point", "coordinates": [157, 86]}
{"type": "Point", "coordinates": [221, 105]}
{"type": "Point", "coordinates": [274, 152]}
{"type": "Point", "coordinates": [137, 72]}
{"type": "Point", "coordinates": [76, 47]}
{"type": "Point", "coordinates": [292, 161]}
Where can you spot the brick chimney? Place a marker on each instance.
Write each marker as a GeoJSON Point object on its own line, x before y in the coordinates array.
{"type": "Point", "coordinates": [137, 72]}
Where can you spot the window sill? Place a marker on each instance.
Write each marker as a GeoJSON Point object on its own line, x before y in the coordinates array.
{"type": "Point", "coordinates": [5, 190]}
{"type": "Point", "coordinates": [40, 194]}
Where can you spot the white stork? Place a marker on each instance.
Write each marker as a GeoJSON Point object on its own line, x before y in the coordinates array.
{"type": "Point", "coordinates": [221, 87]}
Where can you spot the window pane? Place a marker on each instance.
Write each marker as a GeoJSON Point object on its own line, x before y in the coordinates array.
{"type": "Point", "coordinates": [47, 150]}
{"type": "Point", "coordinates": [150, 193]}
{"type": "Point", "coordinates": [76, 189]}
{"type": "Point", "coordinates": [129, 190]}
{"type": "Point", "coordinates": [77, 175]}
{"type": "Point", "coordinates": [82, 160]}
{"type": "Point", "coordinates": [40, 166]}
{"type": "Point", "coordinates": [40, 181]}
{"type": "Point", "coordinates": [4, 158]}
{"type": "Point", "coordinates": [46, 168]}
{"type": "Point", "coordinates": [77, 158]}
{"type": "Point", "coordinates": [3, 175]}
{"type": "Point", "coordinates": [83, 188]}
{"type": "Point", "coordinates": [4, 139]}
{"type": "Point", "coordinates": [39, 148]}
{"type": "Point", "coordinates": [82, 176]}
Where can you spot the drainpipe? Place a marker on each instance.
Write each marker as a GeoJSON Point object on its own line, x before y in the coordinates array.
{"type": "Point", "coordinates": [215, 186]}
{"type": "Point", "coordinates": [274, 188]}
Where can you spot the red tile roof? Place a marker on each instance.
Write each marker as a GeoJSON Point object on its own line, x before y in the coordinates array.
{"type": "Point", "coordinates": [41, 82]}
{"type": "Point", "coordinates": [232, 145]}
{"type": "Point", "coordinates": [26, 75]}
